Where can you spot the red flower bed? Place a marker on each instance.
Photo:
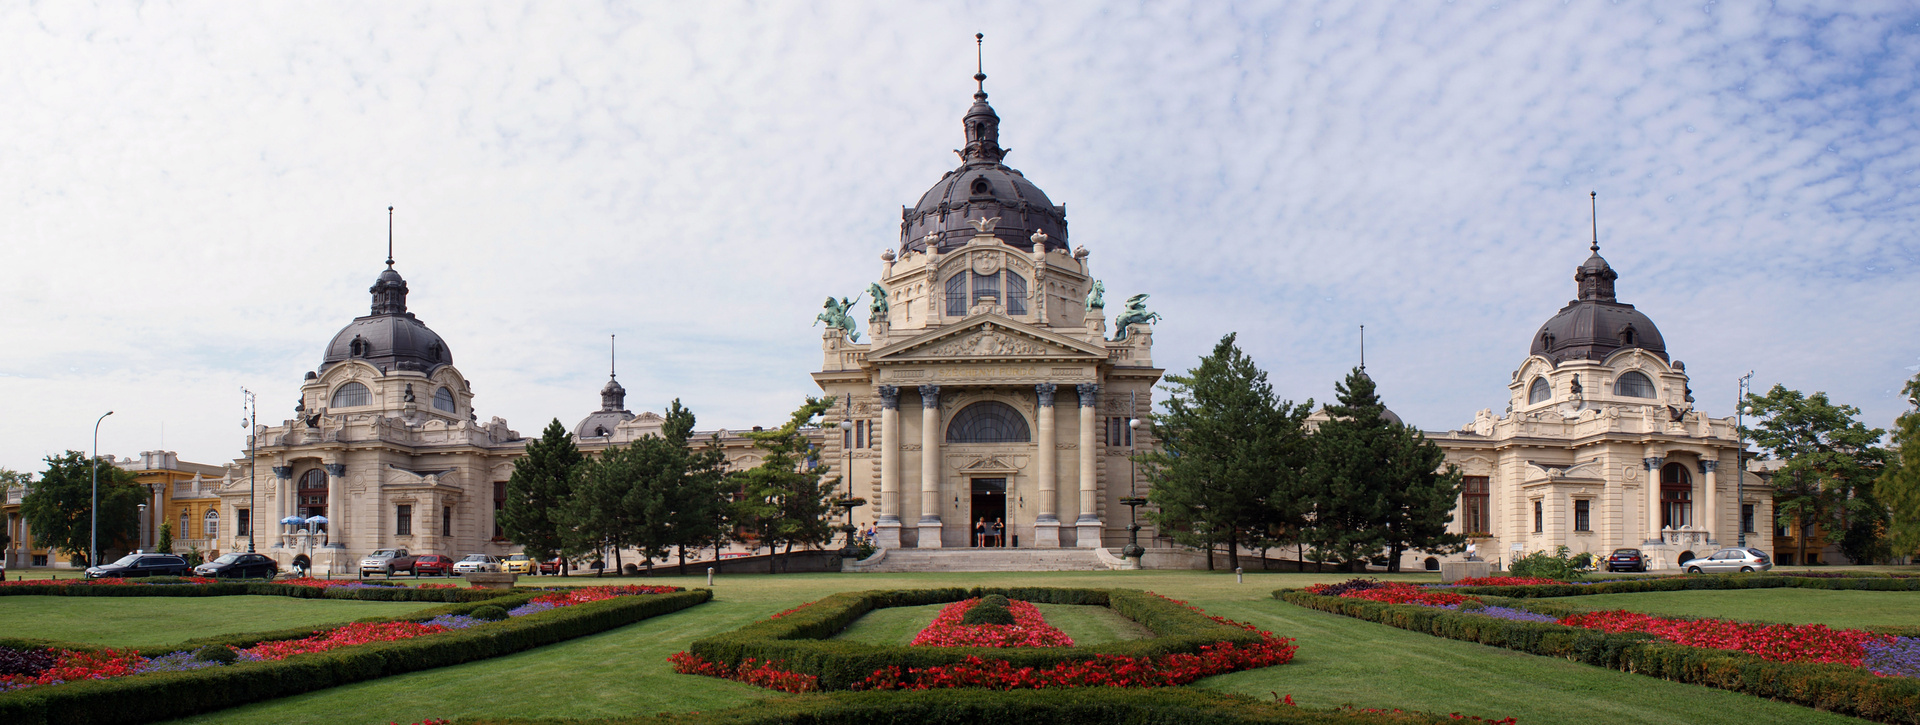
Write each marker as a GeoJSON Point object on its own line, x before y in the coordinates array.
{"type": "Point", "coordinates": [790, 611]}
{"type": "Point", "coordinates": [582, 595]}
{"type": "Point", "coordinates": [1028, 630]}
{"type": "Point", "coordinates": [72, 666]}
{"type": "Point", "coordinates": [347, 636]}
{"type": "Point", "coordinates": [1504, 581]}
{"type": "Point", "coordinates": [1400, 593]}
{"type": "Point", "coordinates": [751, 671]}
{"type": "Point", "coordinates": [1776, 642]}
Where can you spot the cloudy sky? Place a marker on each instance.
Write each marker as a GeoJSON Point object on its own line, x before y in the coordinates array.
{"type": "Point", "coordinates": [193, 196]}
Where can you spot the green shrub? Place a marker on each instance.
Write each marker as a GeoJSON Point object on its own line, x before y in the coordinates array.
{"type": "Point", "coordinates": [489, 612]}
{"type": "Point", "coordinates": [1699, 582]}
{"type": "Point", "coordinates": [995, 600]}
{"type": "Point", "coordinates": [216, 653]}
{"type": "Point", "coordinates": [1557, 565]}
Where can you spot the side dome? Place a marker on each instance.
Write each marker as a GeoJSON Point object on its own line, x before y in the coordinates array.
{"type": "Point", "coordinates": [982, 188]}
{"type": "Point", "coordinates": [1597, 324]}
{"type": "Point", "coordinates": [390, 338]}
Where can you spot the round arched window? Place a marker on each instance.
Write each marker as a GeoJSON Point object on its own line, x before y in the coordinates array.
{"type": "Point", "coordinates": [210, 525]}
{"type": "Point", "coordinates": [988, 421]}
{"type": "Point", "coordinates": [350, 395]}
{"type": "Point", "coordinates": [1634, 385]}
{"type": "Point", "coordinates": [1539, 391]}
{"type": "Point", "coordinates": [443, 400]}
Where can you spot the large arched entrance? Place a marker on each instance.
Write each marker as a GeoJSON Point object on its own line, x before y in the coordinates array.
{"type": "Point", "coordinates": [313, 494]}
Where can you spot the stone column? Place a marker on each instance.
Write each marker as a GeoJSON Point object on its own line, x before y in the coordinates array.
{"type": "Point", "coordinates": [887, 528]}
{"type": "Point", "coordinates": [1088, 525]}
{"type": "Point", "coordinates": [1709, 515]}
{"type": "Point", "coordinates": [1653, 498]}
{"type": "Point", "coordinates": [930, 467]}
{"type": "Point", "coordinates": [283, 505]}
{"type": "Point", "coordinates": [1046, 526]}
{"type": "Point", "coordinates": [336, 512]}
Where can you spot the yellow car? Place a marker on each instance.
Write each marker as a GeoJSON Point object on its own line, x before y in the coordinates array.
{"type": "Point", "coordinates": [520, 564]}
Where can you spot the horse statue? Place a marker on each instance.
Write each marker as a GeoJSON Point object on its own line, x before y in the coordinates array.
{"type": "Point", "coordinates": [1135, 312]}
{"type": "Point", "coordinates": [836, 316]}
{"type": "Point", "coordinates": [877, 308]}
{"type": "Point", "coordinates": [1097, 299]}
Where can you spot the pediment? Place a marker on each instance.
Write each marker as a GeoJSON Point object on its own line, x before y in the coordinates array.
{"type": "Point", "coordinates": [989, 337]}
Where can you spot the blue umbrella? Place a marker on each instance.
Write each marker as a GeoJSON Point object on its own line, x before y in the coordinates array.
{"type": "Point", "coordinates": [316, 519]}
{"type": "Point", "coordinates": [293, 520]}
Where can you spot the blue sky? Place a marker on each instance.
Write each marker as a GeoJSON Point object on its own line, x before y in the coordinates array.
{"type": "Point", "coordinates": [194, 196]}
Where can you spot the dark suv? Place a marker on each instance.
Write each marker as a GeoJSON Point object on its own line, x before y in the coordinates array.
{"type": "Point", "coordinates": [142, 565]}
{"type": "Point", "coordinates": [246, 566]}
{"type": "Point", "coordinates": [1626, 560]}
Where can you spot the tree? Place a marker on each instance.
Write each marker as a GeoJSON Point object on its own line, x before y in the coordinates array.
{"type": "Point", "coordinates": [1831, 464]}
{"type": "Point", "coordinates": [1899, 484]}
{"type": "Point", "coordinates": [1352, 473]}
{"type": "Point", "coordinates": [10, 478]}
{"type": "Point", "coordinates": [165, 543]}
{"type": "Point", "coordinates": [59, 509]}
{"type": "Point", "coordinates": [696, 514]}
{"type": "Point", "coordinates": [787, 495]}
{"type": "Point", "coordinates": [538, 492]}
{"type": "Point", "coordinates": [1227, 469]}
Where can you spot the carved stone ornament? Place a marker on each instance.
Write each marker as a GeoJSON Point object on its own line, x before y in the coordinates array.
{"type": "Point", "coordinates": [889, 397]}
{"type": "Point", "coordinates": [985, 225]}
{"type": "Point", "coordinates": [283, 471]}
{"type": "Point", "coordinates": [930, 396]}
{"type": "Point", "coordinates": [1089, 394]}
{"type": "Point", "coordinates": [336, 470]}
{"type": "Point", "coordinates": [988, 342]}
{"type": "Point", "coordinates": [986, 263]}
{"type": "Point", "coordinates": [1045, 393]}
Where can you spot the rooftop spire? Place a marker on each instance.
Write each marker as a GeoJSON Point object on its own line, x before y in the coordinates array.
{"type": "Point", "coordinates": [1363, 348]}
{"type": "Point", "coordinates": [1593, 199]}
{"type": "Point", "coordinates": [613, 397]}
{"type": "Point", "coordinates": [979, 67]}
{"type": "Point", "coordinates": [612, 357]}
{"type": "Point", "coordinates": [389, 237]}
{"type": "Point", "coordinates": [983, 125]}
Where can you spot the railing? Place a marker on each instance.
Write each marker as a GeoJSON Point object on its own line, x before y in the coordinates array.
{"type": "Point", "coordinates": [1684, 535]}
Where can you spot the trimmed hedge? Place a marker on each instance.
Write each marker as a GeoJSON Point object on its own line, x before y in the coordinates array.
{"type": "Point", "coordinates": [799, 641]}
{"type": "Point", "coordinates": [1088, 706]}
{"type": "Point", "coordinates": [1701, 581]}
{"type": "Point", "coordinates": [1832, 687]}
{"type": "Point", "coordinates": [228, 589]}
{"type": "Point", "coordinates": [168, 695]}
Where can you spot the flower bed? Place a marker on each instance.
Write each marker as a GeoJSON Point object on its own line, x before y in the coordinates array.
{"type": "Point", "coordinates": [1029, 629]}
{"type": "Point", "coordinates": [1503, 581]}
{"type": "Point", "coordinates": [110, 581]}
{"type": "Point", "coordinates": [1390, 593]}
{"type": "Point", "coordinates": [1774, 642]}
{"type": "Point", "coordinates": [1797, 580]}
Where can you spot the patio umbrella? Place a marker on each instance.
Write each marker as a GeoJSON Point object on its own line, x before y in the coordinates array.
{"type": "Point", "coordinates": [316, 519]}
{"type": "Point", "coordinates": [293, 520]}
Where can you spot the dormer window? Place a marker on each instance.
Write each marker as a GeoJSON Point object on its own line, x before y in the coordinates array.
{"type": "Point", "coordinates": [351, 395]}
{"type": "Point", "coordinates": [1539, 391]}
{"type": "Point", "coordinates": [1626, 335]}
{"type": "Point", "coordinates": [1634, 384]}
{"type": "Point", "coordinates": [443, 400]}
{"type": "Point", "coordinates": [982, 187]}
{"type": "Point", "coordinates": [1546, 340]}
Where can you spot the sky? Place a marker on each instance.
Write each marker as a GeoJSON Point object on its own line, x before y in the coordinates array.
{"type": "Point", "coordinates": [193, 195]}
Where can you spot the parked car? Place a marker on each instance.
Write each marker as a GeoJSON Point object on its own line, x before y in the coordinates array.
{"type": "Point", "coordinates": [434, 564]}
{"type": "Point", "coordinates": [240, 566]}
{"type": "Point", "coordinates": [388, 562]}
{"type": "Point", "coordinates": [475, 563]}
{"type": "Point", "coordinates": [1729, 560]}
{"type": "Point", "coordinates": [552, 566]}
{"type": "Point", "coordinates": [520, 564]}
{"type": "Point", "coordinates": [1626, 560]}
{"type": "Point", "coordinates": [142, 565]}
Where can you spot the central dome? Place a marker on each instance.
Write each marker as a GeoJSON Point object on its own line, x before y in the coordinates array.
{"type": "Point", "coordinates": [390, 338]}
{"type": "Point", "coordinates": [982, 188]}
{"type": "Point", "coordinates": [1597, 324]}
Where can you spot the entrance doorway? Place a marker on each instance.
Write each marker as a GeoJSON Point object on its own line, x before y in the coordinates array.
{"type": "Point", "coordinates": [989, 508]}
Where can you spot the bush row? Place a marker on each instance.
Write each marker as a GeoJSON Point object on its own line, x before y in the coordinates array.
{"type": "Point", "coordinates": [1714, 581]}
{"type": "Point", "coordinates": [228, 589]}
{"type": "Point", "coordinates": [1091, 706]}
{"type": "Point", "coordinates": [798, 639]}
{"type": "Point", "coordinates": [1837, 688]}
{"type": "Point", "coordinates": [167, 695]}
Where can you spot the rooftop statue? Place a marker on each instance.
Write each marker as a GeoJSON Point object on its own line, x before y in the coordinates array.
{"type": "Point", "coordinates": [836, 316]}
{"type": "Point", "coordinates": [877, 308]}
{"type": "Point", "coordinates": [1135, 312]}
{"type": "Point", "coordinates": [1097, 299]}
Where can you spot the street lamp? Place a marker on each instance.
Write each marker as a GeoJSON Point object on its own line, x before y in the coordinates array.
{"type": "Point", "coordinates": [1740, 411]}
{"type": "Point", "coordinates": [1133, 501]}
{"type": "Point", "coordinates": [849, 503]}
{"type": "Point", "coordinates": [93, 537]}
{"type": "Point", "coordinates": [249, 404]}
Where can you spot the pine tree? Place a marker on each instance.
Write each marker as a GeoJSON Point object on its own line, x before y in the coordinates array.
{"type": "Point", "coordinates": [1351, 471]}
{"type": "Point", "coordinates": [787, 495]}
{"type": "Point", "coordinates": [165, 543]}
{"type": "Point", "coordinates": [1899, 485]}
{"type": "Point", "coordinates": [697, 513]}
{"type": "Point", "coordinates": [1227, 468]}
{"type": "Point", "coordinates": [538, 492]}
{"type": "Point", "coordinates": [59, 509]}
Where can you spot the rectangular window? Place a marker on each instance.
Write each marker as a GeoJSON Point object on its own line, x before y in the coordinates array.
{"type": "Point", "coordinates": [1583, 515]}
{"type": "Point", "coordinates": [1746, 518]}
{"type": "Point", "coordinates": [243, 522]}
{"type": "Point", "coordinates": [1539, 518]}
{"type": "Point", "coordinates": [986, 285]}
{"type": "Point", "coordinates": [1678, 509]}
{"type": "Point", "coordinates": [1779, 532]}
{"type": "Point", "coordinates": [446, 521]}
{"type": "Point", "coordinates": [957, 295]}
{"type": "Point", "coordinates": [1477, 504]}
{"type": "Point", "coordinates": [183, 528]}
{"type": "Point", "coordinates": [1016, 294]}
{"type": "Point", "coordinates": [499, 502]}
{"type": "Point", "coordinates": [403, 520]}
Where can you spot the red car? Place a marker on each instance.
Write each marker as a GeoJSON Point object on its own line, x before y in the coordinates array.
{"type": "Point", "coordinates": [551, 566]}
{"type": "Point", "coordinates": [433, 564]}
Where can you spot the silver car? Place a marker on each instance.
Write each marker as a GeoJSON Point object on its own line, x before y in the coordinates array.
{"type": "Point", "coordinates": [1729, 560]}
{"type": "Point", "coordinates": [475, 563]}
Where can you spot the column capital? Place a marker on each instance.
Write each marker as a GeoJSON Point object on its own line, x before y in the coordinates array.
{"type": "Point", "coordinates": [930, 396]}
{"type": "Point", "coordinates": [1088, 393]}
{"type": "Point", "coordinates": [283, 471]}
{"type": "Point", "coordinates": [1653, 462]}
{"type": "Point", "coordinates": [889, 397]}
{"type": "Point", "coordinates": [336, 470]}
{"type": "Point", "coordinates": [1044, 392]}
{"type": "Point", "coordinates": [1707, 466]}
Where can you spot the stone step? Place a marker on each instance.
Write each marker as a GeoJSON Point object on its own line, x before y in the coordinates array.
{"type": "Point", "coordinates": [988, 559]}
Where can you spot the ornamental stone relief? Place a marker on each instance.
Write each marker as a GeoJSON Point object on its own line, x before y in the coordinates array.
{"type": "Point", "coordinates": [989, 342]}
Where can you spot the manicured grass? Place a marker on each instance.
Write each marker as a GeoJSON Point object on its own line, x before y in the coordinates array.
{"type": "Point", "coordinates": [157, 621]}
{"type": "Point", "coordinates": [1341, 660]}
{"type": "Point", "coordinates": [893, 625]}
{"type": "Point", "coordinates": [1843, 608]}
{"type": "Point", "coordinates": [1086, 625]}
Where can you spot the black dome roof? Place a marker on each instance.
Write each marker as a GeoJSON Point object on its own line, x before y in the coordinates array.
{"type": "Point", "coordinates": [982, 187]}
{"type": "Point", "coordinates": [1596, 325]}
{"type": "Point", "coordinates": [390, 338]}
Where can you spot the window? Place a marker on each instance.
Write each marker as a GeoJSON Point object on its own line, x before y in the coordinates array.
{"type": "Point", "coordinates": [1119, 434]}
{"type": "Point", "coordinates": [350, 395]}
{"type": "Point", "coordinates": [1477, 505]}
{"type": "Point", "coordinates": [446, 520]}
{"type": "Point", "coordinates": [986, 285]}
{"type": "Point", "coordinates": [1633, 385]}
{"type": "Point", "coordinates": [211, 524]}
{"type": "Point", "coordinates": [443, 400]}
{"type": "Point", "coordinates": [1676, 496]}
{"type": "Point", "coordinates": [988, 421]}
{"type": "Point", "coordinates": [1539, 391]}
{"type": "Point", "coordinates": [1539, 518]}
{"type": "Point", "coordinates": [1746, 518]}
{"type": "Point", "coordinates": [1016, 294]}
{"type": "Point", "coordinates": [1582, 515]}
{"type": "Point", "coordinates": [185, 528]}
{"type": "Point", "coordinates": [403, 520]}
{"type": "Point", "coordinates": [499, 502]}
{"type": "Point", "coordinates": [957, 295]}
{"type": "Point", "coordinates": [243, 522]}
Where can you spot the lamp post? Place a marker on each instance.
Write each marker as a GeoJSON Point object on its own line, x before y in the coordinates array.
{"type": "Point", "coordinates": [248, 403]}
{"type": "Point", "coordinates": [1133, 501]}
{"type": "Point", "coordinates": [849, 503]}
{"type": "Point", "coordinates": [1740, 412]}
{"type": "Point", "coordinates": [93, 536]}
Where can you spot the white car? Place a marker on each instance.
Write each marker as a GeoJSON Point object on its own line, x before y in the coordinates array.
{"type": "Point", "coordinates": [476, 563]}
{"type": "Point", "coordinates": [1728, 561]}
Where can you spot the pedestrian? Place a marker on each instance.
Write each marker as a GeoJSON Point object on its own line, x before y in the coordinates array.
{"type": "Point", "coordinates": [999, 533]}
{"type": "Point", "coordinates": [980, 532]}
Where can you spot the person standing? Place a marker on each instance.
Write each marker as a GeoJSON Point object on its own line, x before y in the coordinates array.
{"type": "Point", "coordinates": [980, 532]}
{"type": "Point", "coordinates": [999, 533]}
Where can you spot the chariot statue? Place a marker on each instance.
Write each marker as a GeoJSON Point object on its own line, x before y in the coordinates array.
{"type": "Point", "coordinates": [877, 308]}
{"type": "Point", "coordinates": [1135, 312]}
{"type": "Point", "coordinates": [1097, 299]}
{"type": "Point", "coordinates": [836, 316]}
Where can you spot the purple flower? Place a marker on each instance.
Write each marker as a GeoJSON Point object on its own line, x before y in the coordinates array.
{"type": "Point", "coordinates": [175, 662]}
{"type": "Point", "coordinates": [456, 621]}
{"type": "Point", "coordinates": [529, 608]}
{"type": "Point", "coordinates": [1899, 658]}
{"type": "Point", "coordinates": [1518, 615]}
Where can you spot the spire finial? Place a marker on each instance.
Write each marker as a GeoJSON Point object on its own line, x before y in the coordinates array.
{"type": "Point", "coordinates": [612, 358]}
{"type": "Point", "coordinates": [1593, 198]}
{"type": "Point", "coordinates": [389, 237]}
{"type": "Point", "coordinates": [1363, 348]}
{"type": "Point", "coordinates": [979, 66]}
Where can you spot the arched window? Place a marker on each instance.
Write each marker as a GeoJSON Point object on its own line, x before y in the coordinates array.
{"type": "Point", "coordinates": [211, 524]}
{"type": "Point", "coordinates": [1626, 335]}
{"type": "Point", "coordinates": [986, 285]}
{"type": "Point", "coordinates": [350, 395]}
{"type": "Point", "coordinates": [1633, 385]}
{"type": "Point", "coordinates": [1539, 391]}
{"type": "Point", "coordinates": [988, 421]}
{"type": "Point", "coordinates": [313, 493]}
{"type": "Point", "coordinates": [443, 400]}
{"type": "Point", "coordinates": [957, 295]}
{"type": "Point", "coordinates": [1016, 294]}
{"type": "Point", "coordinates": [1676, 496]}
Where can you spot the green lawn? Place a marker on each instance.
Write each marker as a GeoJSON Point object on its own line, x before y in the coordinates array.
{"type": "Point", "coordinates": [156, 621]}
{"type": "Point", "coordinates": [1086, 625]}
{"type": "Point", "coordinates": [1341, 660]}
{"type": "Point", "coordinates": [1846, 608]}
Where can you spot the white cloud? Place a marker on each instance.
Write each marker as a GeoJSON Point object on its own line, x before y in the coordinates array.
{"type": "Point", "coordinates": [194, 193]}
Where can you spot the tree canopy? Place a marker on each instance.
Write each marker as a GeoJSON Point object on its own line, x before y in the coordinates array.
{"type": "Point", "coordinates": [1899, 485]}
{"type": "Point", "coordinates": [1831, 461]}
{"type": "Point", "coordinates": [786, 499]}
{"type": "Point", "coordinates": [538, 492]}
{"type": "Point", "coordinates": [59, 509]}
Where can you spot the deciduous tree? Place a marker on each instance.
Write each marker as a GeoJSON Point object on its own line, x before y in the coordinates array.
{"type": "Point", "coordinates": [1899, 484]}
{"type": "Point", "coordinates": [787, 495]}
{"type": "Point", "coordinates": [1831, 461]}
{"type": "Point", "coordinates": [59, 509]}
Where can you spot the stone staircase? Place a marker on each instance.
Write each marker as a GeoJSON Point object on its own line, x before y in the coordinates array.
{"type": "Point", "coordinates": [982, 559]}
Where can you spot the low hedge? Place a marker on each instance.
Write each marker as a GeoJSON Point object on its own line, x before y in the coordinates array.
{"type": "Point", "coordinates": [1701, 581]}
{"type": "Point", "coordinates": [1089, 706]}
{"type": "Point", "coordinates": [228, 589]}
{"type": "Point", "coordinates": [168, 695]}
{"type": "Point", "coordinates": [799, 641]}
{"type": "Point", "coordinates": [1832, 687]}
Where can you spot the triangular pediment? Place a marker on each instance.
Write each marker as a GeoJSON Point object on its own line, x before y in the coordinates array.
{"type": "Point", "coordinates": [988, 337]}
